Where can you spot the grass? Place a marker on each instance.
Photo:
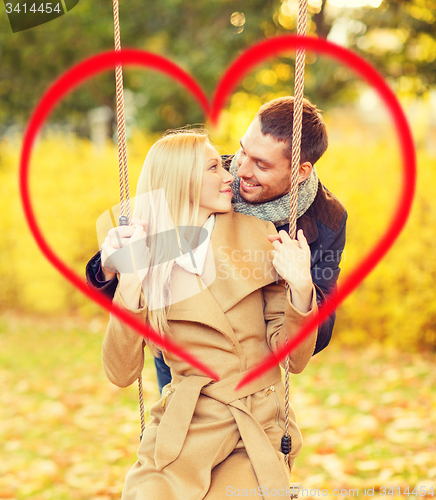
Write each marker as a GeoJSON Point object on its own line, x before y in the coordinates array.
{"type": "Point", "coordinates": [368, 417]}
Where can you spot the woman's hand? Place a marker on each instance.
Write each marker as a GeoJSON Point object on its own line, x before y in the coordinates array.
{"type": "Point", "coordinates": [291, 259]}
{"type": "Point", "coordinates": [117, 238]}
{"type": "Point", "coordinates": [124, 251]}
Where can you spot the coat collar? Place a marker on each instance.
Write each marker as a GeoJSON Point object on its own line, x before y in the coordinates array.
{"type": "Point", "coordinates": [307, 223]}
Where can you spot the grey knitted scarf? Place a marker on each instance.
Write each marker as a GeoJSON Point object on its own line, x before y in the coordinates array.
{"type": "Point", "coordinates": [276, 211]}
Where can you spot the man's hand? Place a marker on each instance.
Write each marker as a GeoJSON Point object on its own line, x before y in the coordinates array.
{"type": "Point", "coordinates": [291, 259]}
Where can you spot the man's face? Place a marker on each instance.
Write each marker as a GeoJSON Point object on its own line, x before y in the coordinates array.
{"type": "Point", "coordinates": [264, 171]}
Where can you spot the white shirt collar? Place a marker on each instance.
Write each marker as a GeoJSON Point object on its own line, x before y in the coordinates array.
{"type": "Point", "coordinates": [193, 261]}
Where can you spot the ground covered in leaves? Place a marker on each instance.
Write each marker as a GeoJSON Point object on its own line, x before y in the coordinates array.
{"type": "Point", "coordinates": [368, 418]}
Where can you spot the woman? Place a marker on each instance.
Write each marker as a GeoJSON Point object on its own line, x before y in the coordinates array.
{"type": "Point", "coordinates": [222, 302]}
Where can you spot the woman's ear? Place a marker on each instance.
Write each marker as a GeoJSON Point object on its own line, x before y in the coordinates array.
{"type": "Point", "coordinates": [304, 171]}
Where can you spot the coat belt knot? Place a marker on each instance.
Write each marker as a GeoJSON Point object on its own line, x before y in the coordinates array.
{"type": "Point", "coordinates": [174, 426]}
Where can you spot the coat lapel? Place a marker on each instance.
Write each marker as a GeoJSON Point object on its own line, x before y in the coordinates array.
{"type": "Point", "coordinates": [237, 264]}
{"type": "Point", "coordinates": [242, 257]}
{"type": "Point", "coordinates": [192, 300]}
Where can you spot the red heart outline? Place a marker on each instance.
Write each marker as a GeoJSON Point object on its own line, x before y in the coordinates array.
{"type": "Point", "coordinates": [240, 67]}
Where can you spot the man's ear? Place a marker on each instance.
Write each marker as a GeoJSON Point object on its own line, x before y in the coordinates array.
{"type": "Point", "coordinates": [304, 171]}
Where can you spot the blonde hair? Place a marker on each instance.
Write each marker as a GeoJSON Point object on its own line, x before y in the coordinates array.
{"type": "Point", "coordinates": [174, 164]}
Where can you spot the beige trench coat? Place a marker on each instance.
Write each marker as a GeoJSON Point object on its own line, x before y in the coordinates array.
{"type": "Point", "coordinates": [206, 440]}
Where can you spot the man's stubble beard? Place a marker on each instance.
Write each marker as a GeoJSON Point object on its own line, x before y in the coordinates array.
{"type": "Point", "coordinates": [263, 197]}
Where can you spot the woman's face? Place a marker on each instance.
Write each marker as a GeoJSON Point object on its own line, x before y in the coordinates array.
{"type": "Point", "coordinates": [216, 193]}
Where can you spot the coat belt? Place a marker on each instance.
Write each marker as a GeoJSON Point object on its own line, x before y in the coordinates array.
{"type": "Point", "coordinates": [174, 426]}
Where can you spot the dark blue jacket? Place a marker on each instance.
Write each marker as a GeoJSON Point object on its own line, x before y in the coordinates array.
{"type": "Point", "coordinates": [324, 226]}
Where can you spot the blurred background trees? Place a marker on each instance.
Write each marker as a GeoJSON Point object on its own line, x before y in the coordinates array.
{"type": "Point", "coordinates": [203, 37]}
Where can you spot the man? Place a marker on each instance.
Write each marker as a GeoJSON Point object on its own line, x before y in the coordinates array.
{"type": "Point", "coordinates": [262, 171]}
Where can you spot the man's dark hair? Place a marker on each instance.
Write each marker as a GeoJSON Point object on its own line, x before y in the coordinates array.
{"type": "Point", "coordinates": [276, 119]}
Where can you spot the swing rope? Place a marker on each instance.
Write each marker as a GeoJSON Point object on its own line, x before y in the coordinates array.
{"type": "Point", "coordinates": [121, 125]}
{"type": "Point", "coordinates": [124, 219]}
{"type": "Point", "coordinates": [296, 145]}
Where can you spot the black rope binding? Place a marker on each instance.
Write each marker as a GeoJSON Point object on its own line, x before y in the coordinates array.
{"type": "Point", "coordinates": [286, 444]}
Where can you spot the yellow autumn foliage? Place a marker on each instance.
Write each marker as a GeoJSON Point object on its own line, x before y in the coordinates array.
{"type": "Point", "coordinates": [72, 183]}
